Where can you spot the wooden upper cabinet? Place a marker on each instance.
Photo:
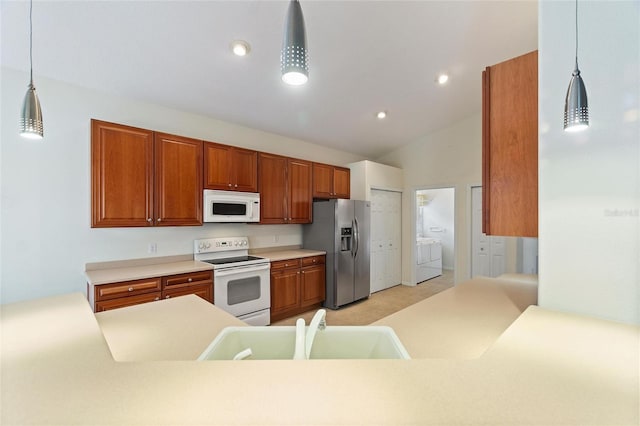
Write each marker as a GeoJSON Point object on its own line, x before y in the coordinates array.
{"type": "Point", "coordinates": [300, 199]}
{"type": "Point", "coordinates": [272, 171]}
{"type": "Point", "coordinates": [178, 182]}
{"type": "Point", "coordinates": [510, 147]}
{"type": "Point", "coordinates": [285, 189]}
{"type": "Point", "coordinates": [322, 180]}
{"type": "Point", "coordinates": [142, 178]}
{"type": "Point", "coordinates": [230, 168]}
{"type": "Point", "coordinates": [331, 181]}
{"type": "Point", "coordinates": [121, 175]}
{"type": "Point", "coordinates": [341, 182]}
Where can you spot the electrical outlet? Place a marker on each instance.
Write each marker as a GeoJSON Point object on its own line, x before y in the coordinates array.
{"type": "Point", "coordinates": [153, 248]}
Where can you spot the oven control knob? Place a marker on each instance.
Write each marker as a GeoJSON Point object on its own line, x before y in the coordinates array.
{"type": "Point", "coordinates": [244, 243]}
{"type": "Point", "coordinates": [208, 245]}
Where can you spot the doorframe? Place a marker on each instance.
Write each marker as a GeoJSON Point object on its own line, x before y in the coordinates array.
{"type": "Point", "coordinates": [414, 231]}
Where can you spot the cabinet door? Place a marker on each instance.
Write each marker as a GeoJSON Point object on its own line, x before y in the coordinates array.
{"type": "Point", "coordinates": [300, 203]}
{"type": "Point", "coordinates": [341, 183]}
{"type": "Point", "coordinates": [121, 302]}
{"type": "Point", "coordinates": [204, 291]}
{"type": "Point", "coordinates": [178, 166]}
{"type": "Point", "coordinates": [510, 147]}
{"type": "Point", "coordinates": [322, 181]}
{"type": "Point", "coordinates": [285, 291]}
{"type": "Point", "coordinates": [272, 170]}
{"type": "Point", "coordinates": [121, 175]}
{"type": "Point", "coordinates": [245, 170]}
{"type": "Point", "coordinates": [313, 285]}
{"type": "Point", "coordinates": [217, 166]}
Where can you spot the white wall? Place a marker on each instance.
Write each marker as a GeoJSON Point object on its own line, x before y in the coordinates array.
{"type": "Point", "coordinates": [45, 233]}
{"type": "Point", "coordinates": [589, 197]}
{"type": "Point", "coordinates": [451, 157]}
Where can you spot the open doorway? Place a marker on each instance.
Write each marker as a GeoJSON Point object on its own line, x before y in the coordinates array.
{"type": "Point", "coordinates": [435, 232]}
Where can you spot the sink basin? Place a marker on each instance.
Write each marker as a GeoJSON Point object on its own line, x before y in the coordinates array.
{"type": "Point", "coordinates": [334, 342]}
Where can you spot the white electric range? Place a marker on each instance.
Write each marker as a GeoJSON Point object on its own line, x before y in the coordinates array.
{"type": "Point", "coordinates": [241, 283]}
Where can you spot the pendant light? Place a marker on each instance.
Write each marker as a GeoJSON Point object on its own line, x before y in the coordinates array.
{"type": "Point", "coordinates": [31, 119]}
{"type": "Point", "coordinates": [294, 57]}
{"type": "Point", "coordinates": [576, 109]}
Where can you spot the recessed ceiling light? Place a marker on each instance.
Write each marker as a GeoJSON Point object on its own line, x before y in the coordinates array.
{"type": "Point", "coordinates": [381, 115]}
{"type": "Point", "coordinates": [442, 78]}
{"type": "Point", "coordinates": [240, 47]}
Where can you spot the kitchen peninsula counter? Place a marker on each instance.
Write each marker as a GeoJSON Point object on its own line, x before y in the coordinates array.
{"type": "Point", "coordinates": [546, 368]}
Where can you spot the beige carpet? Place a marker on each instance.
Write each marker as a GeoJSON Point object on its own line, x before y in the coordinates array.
{"type": "Point", "coordinates": [379, 304]}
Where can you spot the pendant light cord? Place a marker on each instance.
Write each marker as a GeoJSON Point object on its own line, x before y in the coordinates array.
{"type": "Point", "coordinates": [576, 35]}
{"type": "Point", "coordinates": [31, 43]}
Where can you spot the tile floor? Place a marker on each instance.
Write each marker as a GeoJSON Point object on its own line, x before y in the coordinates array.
{"type": "Point", "coordinates": [379, 304]}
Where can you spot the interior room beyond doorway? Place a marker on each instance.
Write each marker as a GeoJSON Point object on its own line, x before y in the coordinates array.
{"type": "Point", "coordinates": [435, 232]}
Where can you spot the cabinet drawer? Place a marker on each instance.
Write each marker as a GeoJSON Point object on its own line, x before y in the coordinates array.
{"type": "Point", "coordinates": [187, 279]}
{"type": "Point", "coordinates": [122, 302]}
{"type": "Point", "coordinates": [285, 264]}
{"type": "Point", "coordinates": [127, 288]}
{"type": "Point", "coordinates": [312, 260]}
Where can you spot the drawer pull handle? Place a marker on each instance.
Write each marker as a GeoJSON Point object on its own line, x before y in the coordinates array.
{"type": "Point", "coordinates": [130, 288]}
{"type": "Point", "coordinates": [167, 296]}
{"type": "Point", "coordinates": [190, 279]}
{"type": "Point", "coordinates": [157, 298]}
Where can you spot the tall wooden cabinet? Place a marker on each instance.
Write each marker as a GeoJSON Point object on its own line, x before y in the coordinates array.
{"type": "Point", "coordinates": [230, 168]}
{"type": "Point", "coordinates": [510, 147]}
{"type": "Point", "coordinates": [331, 181]}
{"type": "Point", "coordinates": [143, 178]}
{"type": "Point", "coordinates": [285, 189]}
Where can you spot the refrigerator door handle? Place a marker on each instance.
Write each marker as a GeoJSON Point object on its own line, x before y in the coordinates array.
{"type": "Point", "coordinates": [356, 236]}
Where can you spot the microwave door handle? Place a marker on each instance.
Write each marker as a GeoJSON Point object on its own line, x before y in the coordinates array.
{"type": "Point", "coordinates": [241, 269]}
{"type": "Point", "coordinates": [255, 210]}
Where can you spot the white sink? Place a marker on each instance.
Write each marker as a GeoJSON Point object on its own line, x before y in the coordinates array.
{"type": "Point", "coordinates": [334, 342]}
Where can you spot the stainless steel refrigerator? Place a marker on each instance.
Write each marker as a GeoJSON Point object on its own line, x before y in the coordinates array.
{"type": "Point", "coordinates": [342, 229]}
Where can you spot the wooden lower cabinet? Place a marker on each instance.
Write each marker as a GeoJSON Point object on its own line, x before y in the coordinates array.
{"type": "Point", "coordinates": [296, 286]}
{"type": "Point", "coordinates": [203, 290]}
{"type": "Point", "coordinates": [128, 293]}
{"type": "Point", "coordinates": [122, 302]}
{"type": "Point", "coordinates": [312, 285]}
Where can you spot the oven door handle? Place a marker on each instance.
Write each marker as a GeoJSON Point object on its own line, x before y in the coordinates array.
{"type": "Point", "coordinates": [241, 269]}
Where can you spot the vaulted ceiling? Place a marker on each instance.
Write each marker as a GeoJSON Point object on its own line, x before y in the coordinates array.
{"type": "Point", "coordinates": [365, 57]}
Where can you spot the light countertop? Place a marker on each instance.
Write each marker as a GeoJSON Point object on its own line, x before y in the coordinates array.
{"type": "Point", "coordinates": [127, 273]}
{"type": "Point", "coordinates": [275, 255]}
{"type": "Point", "coordinates": [546, 368]}
{"type": "Point", "coordinates": [136, 269]}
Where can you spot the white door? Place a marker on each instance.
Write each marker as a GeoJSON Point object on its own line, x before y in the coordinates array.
{"type": "Point", "coordinates": [487, 252]}
{"type": "Point", "coordinates": [386, 259]}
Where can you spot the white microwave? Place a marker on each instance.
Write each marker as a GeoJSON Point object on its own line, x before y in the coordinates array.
{"type": "Point", "coordinates": [230, 206]}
